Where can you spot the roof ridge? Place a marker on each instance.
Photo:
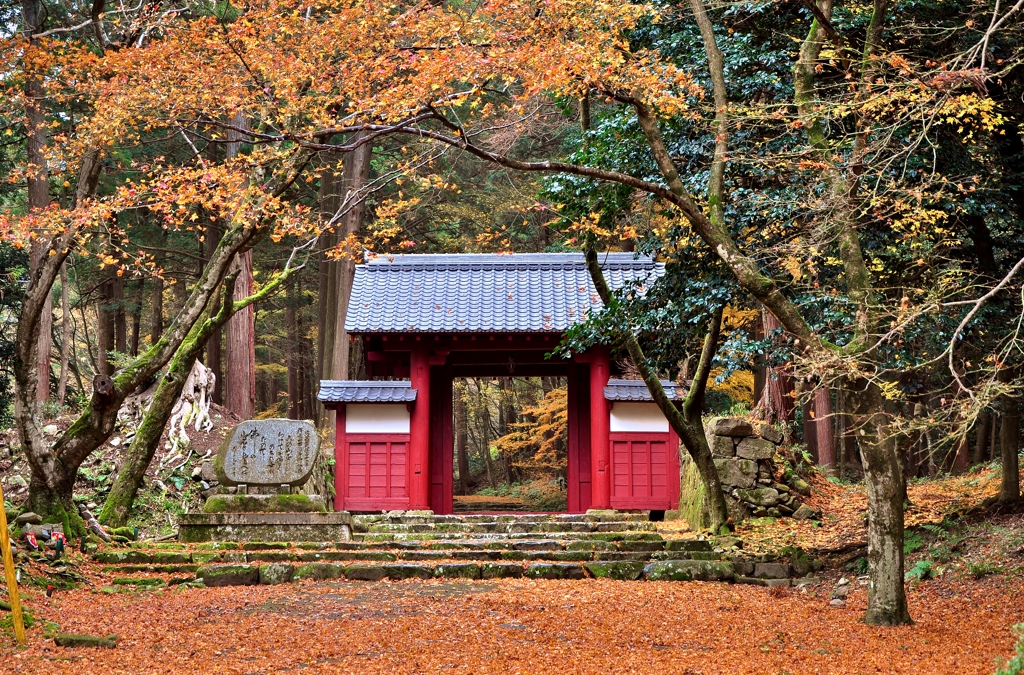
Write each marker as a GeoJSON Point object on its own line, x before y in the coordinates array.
{"type": "Point", "coordinates": [538, 261]}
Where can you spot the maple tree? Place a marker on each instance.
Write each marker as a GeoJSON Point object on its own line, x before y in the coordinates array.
{"type": "Point", "coordinates": [333, 77]}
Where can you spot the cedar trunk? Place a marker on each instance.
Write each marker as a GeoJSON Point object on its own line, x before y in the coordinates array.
{"type": "Point", "coordinates": [824, 434]}
{"type": "Point", "coordinates": [294, 401]}
{"type": "Point", "coordinates": [105, 329]}
{"type": "Point", "coordinates": [352, 212]}
{"type": "Point", "coordinates": [38, 188]}
{"type": "Point", "coordinates": [240, 351]}
{"type": "Point", "coordinates": [461, 442]}
{"type": "Point", "coordinates": [65, 336]}
{"type": "Point", "coordinates": [1009, 443]}
{"type": "Point", "coordinates": [981, 438]}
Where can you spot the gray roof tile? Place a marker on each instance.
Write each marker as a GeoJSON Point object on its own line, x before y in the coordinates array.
{"type": "Point", "coordinates": [636, 390]}
{"type": "Point", "coordinates": [483, 293]}
{"type": "Point", "coordinates": [366, 391]}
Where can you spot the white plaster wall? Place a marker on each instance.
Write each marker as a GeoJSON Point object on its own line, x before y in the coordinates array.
{"type": "Point", "coordinates": [376, 418]}
{"type": "Point", "coordinates": [633, 416]}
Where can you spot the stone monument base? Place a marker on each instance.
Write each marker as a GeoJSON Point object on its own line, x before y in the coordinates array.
{"type": "Point", "coordinates": [264, 503]}
{"type": "Point", "coordinates": [201, 527]}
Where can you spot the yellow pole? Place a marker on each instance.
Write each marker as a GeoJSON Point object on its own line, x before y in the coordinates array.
{"type": "Point", "coordinates": [12, 578]}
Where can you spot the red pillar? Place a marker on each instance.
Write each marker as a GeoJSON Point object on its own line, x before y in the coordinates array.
{"type": "Point", "coordinates": [600, 446]}
{"type": "Point", "coordinates": [340, 460]}
{"type": "Point", "coordinates": [419, 432]}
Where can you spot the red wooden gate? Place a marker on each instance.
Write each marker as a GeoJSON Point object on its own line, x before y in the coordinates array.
{"type": "Point", "coordinates": [375, 471]}
{"type": "Point", "coordinates": [645, 471]}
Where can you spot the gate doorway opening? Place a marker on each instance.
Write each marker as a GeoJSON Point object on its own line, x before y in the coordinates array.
{"type": "Point", "coordinates": [510, 444]}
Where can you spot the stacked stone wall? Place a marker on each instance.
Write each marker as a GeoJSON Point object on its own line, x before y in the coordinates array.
{"type": "Point", "coordinates": [744, 454]}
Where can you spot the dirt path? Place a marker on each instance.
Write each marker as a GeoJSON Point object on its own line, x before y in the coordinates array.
{"type": "Point", "coordinates": [521, 626]}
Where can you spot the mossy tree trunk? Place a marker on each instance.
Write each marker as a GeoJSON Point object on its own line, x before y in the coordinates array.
{"type": "Point", "coordinates": [118, 505]}
{"type": "Point", "coordinates": [686, 422]}
{"type": "Point", "coordinates": [54, 467]}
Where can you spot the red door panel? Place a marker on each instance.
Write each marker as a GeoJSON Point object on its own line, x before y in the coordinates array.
{"type": "Point", "coordinates": [641, 467]}
{"type": "Point", "coordinates": [377, 472]}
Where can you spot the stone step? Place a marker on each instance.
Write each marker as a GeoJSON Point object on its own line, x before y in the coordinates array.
{"type": "Point", "coordinates": [648, 548]}
{"type": "Point", "coordinates": [668, 570]}
{"type": "Point", "coordinates": [361, 522]}
{"type": "Point", "coordinates": [493, 527]}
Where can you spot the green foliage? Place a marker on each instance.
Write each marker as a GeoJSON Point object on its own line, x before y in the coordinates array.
{"type": "Point", "coordinates": [983, 569]}
{"type": "Point", "coordinates": [1014, 666]}
{"type": "Point", "coordinates": [922, 569]}
{"type": "Point", "coordinates": [861, 565]}
{"type": "Point", "coordinates": [7, 622]}
{"type": "Point", "coordinates": [912, 541]}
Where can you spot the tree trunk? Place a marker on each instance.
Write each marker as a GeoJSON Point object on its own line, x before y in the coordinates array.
{"type": "Point", "coordinates": [981, 438]}
{"type": "Point", "coordinates": [993, 443]}
{"type": "Point", "coordinates": [144, 445]}
{"type": "Point", "coordinates": [886, 487]}
{"type": "Point", "coordinates": [136, 317]}
{"type": "Point", "coordinates": [105, 329]}
{"type": "Point", "coordinates": [810, 430]}
{"type": "Point", "coordinates": [824, 434]}
{"type": "Point", "coordinates": [485, 433]}
{"type": "Point", "coordinates": [38, 188]}
{"type": "Point", "coordinates": [215, 345]}
{"type": "Point", "coordinates": [65, 333]}
{"type": "Point", "coordinates": [294, 402]}
{"type": "Point", "coordinates": [327, 298]}
{"type": "Point", "coordinates": [461, 441]}
{"type": "Point", "coordinates": [962, 456]}
{"type": "Point", "coordinates": [357, 174]}
{"type": "Point", "coordinates": [776, 402]}
{"type": "Point", "coordinates": [120, 318]}
{"type": "Point", "coordinates": [240, 345]}
{"type": "Point", "coordinates": [1009, 443]}
{"type": "Point", "coordinates": [156, 329]}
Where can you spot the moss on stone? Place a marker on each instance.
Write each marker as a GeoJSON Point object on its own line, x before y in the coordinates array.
{"type": "Point", "coordinates": [229, 575]}
{"type": "Point", "coordinates": [68, 640]}
{"type": "Point", "coordinates": [126, 532]}
{"type": "Point", "coordinates": [620, 571]}
{"type": "Point", "coordinates": [258, 504]}
{"type": "Point", "coordinates": [139, 582]}
{"type": "Point", "coordinates": [319, 571]}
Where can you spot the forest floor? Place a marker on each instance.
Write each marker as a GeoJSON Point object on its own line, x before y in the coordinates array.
{"type": "Point", "coordinates": [967, 578]}
{"type": "Point", "coordinates": [521, 626]}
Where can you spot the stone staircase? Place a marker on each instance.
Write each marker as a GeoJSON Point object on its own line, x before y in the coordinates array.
{"type": "Point", "coordinates": [421, 545]}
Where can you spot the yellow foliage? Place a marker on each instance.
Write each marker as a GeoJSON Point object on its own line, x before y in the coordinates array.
{"type": "Point", "coordinates": [544, 436]}
{"type": "Point", "coordinates": [739, 386]}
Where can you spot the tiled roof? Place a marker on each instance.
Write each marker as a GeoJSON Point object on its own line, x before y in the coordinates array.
{"type": "Point", "coordinates": [483, 293]}
{"type": "Point", "coordinates": [366, 391]}
{"type": "Point", "coordinates": [636, 390]}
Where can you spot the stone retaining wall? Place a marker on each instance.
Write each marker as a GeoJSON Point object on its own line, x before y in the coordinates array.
{"type": "Point", "coordinates": [744, 453]}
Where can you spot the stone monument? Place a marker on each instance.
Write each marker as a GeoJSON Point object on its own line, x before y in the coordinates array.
{"type": "Point", "coordinates": [261, 467]}
{"type": "Point", "coordinates": [268, 455]}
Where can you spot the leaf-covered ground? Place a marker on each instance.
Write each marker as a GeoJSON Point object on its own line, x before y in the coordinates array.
{"type": "Point", "coordinates": [521, 626]}
{"type": "Point", "coordinates": [844, 509]}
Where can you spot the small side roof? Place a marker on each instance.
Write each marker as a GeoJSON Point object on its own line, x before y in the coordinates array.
{"type": "Point", "coordinates": [366, 391]}
{"type": "Point", "coordinates": [636, 390]}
